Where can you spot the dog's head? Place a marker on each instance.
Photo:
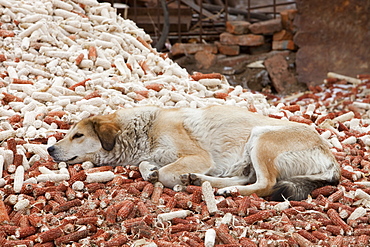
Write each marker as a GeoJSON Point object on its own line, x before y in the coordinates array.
{"type": "Point", "coordinates": [86, 140]}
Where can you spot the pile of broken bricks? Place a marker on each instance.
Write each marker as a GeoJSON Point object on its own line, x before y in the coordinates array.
{"type": "Point", "coordinates": [242, 36]}
{"type": "Point", "coordinates": [243, 33]}
{"type": "Point", "coordinates": [242, 39]}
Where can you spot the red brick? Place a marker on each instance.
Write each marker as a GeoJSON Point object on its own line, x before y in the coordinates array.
{"type": "Point", "coordinates": [205, 59]}
{"type": "Point", "coordinates": [282, 79]}
{"type": "Point", "coordinates": [192, 48]}
{"type": "Point", "coordinates": [283, 45]}
{"type": "Point", "coordinates": [244, 40]}
{"type": "Point", "coordinates": [231, 61]}
{"type": "Point", "coordinates": [282, 35]}
{"type": "Point", "coordinates": [229, 50]}
{"type": "Point", "coordinates": [251, 40]}
{"type": "Point", "coordinates": [229, 39]}
{"type": "Point", "coordinates": [266, 27]}
{"type": "Point", "coordinates": [237, 27]}
{"type": "Point", "coordinates": [287, 17]}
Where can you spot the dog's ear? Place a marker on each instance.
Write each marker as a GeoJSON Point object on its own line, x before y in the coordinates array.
{"type": "Point", "coordinates": [106, 131]}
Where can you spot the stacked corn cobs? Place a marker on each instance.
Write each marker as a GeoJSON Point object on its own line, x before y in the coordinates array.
{"type": "Point", "coordinates": [62, 61]}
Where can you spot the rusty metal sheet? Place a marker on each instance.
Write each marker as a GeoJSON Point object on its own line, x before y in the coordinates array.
{"type": "Point", "coordinates": [332, 36]}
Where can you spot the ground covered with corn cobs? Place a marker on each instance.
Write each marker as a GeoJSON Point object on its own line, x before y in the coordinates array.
{"type": "Point", "coordinates": [62, 61]}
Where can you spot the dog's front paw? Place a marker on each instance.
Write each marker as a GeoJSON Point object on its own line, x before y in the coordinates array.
{"type": "Point", "coordinates": [153, 176]}
{"type": "Point", "coordinates": [149, 172]}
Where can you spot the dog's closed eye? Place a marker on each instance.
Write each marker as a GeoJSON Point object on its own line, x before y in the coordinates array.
{"type": "Point", "coordinates": [77, 135]}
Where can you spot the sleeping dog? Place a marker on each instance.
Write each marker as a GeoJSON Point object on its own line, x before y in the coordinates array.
{"type": "Point", "coordinates": [228, 146]}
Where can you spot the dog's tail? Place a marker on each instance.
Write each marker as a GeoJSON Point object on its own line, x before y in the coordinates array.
{"type": "Point", "coordinates": [298, 188]}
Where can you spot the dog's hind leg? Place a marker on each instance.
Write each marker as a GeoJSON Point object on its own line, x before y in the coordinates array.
{"type": "Point", "coordinates": [266, 179]}
{"type": "Point", "coordinates": [262, 157]}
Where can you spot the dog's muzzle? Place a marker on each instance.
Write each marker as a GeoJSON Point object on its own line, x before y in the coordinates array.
{"type": "Point", "coordinates": [53, 153]}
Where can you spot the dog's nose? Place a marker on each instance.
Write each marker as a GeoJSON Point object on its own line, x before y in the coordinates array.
{"type": "Point", "coordinates": [51, 149]}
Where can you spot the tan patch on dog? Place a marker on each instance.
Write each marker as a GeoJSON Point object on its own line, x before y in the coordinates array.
{"type": "Point", "coordinates": [106, 128]}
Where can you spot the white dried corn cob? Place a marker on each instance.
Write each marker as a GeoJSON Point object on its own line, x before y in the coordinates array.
{"type": "Point", "coordinates": [210, 238]}
{"type": "Point", "coordinates": [99, 177]}
{"type": "Point", "coordinates": [18, 179]}
{"type": "Point", "coordinates": [209, 197]}
{"type": "Point", "coordinates": [171, 215]}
